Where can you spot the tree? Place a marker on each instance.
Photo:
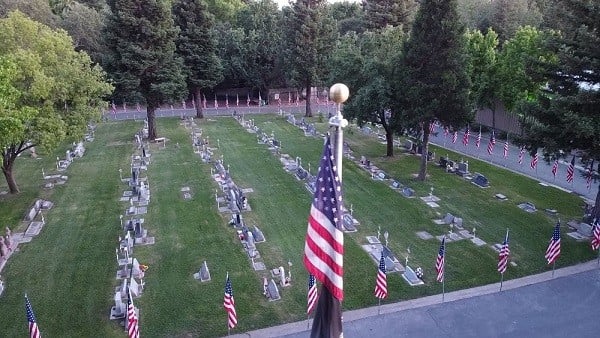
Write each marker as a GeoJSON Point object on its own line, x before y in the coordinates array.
{"type": "Point", "coordinates": [565, 118]}
{"type": "Point", "coordinates": [372, 81]}
{"type": "Point", "coordinates": [432, 79]}
{"type": "Point", "coordinates": [197, 46]}
{"type": "Point", "coordinates": [262, 25]}
{"type": "Point", "coordinates": [85, 25]}
{"type": "Point", "coordinates": [49, 91]}
{"type": "Point", "coordinates": [311, 34]}
{"type": "Point", "coordinates": [382, 13]}
{"type": "Point", "coordinates": [349, 17]}
{"type": "Point", "coordinates": [38, 10]}
{"type": "Point", "coordinates": [483, 65]}
{"type": "Point", "coordinates": [141, 37]}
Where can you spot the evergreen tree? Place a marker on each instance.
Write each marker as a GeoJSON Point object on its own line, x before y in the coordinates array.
{"type": "Point", "coordinates": [432, 76]}
{"type": "Point", "coordinates": [311, 34]}
{"type": "Point", "coordinates": [141, 37]}
{"type": "Point", "coordinates": [566, 117]}
{"type": "Point", "coordinates": [383, 13]}
{"type": "Point", "coordinates": [197, 46]}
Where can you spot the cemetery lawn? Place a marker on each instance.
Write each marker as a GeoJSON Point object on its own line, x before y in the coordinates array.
{"type": "Point", "coordinates": [68, 270]}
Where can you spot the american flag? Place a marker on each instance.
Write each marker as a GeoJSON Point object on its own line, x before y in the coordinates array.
{"type": "Point", "coordinates": [505, 154]}
{"type": "Point", "coordinates": [440, 262]}
{"type": "Point", "coordinates": [237, 100]}
{"type": "Point", "coordinates": [596, 236]}
{"type": "Point", "coordinates": [521, 154]}
{"type": "Point", "coordinates": [226, 101]}
{"type": "Point", "coordinates": [229, 304]}
{"type": "Point", "coordinates": [491, 144]}
{"type": "Point", "coordinates": [324, 247]}
{"type": "Point", "coordinates": [466, 135]}
{"type": "Point", "coordinates": [381, 284]}
{"type": "Point", "coordinates": [313, 295]}
{"type": "Point", "coordinates": [248, 100]}
{"type": "Point", "coordinates": [478, 141]}
{"type": "Point", "coordinates": [555, 167]}
{"type": "Point", "coordinates": [137, 107]}
{"type": "Point", "coordinates": [454, 137]}
{"type": "Point", "coordinates": [133, 328]}
{"type": "Point", "coordinates": [504, 253]}
{"type": "Point", "coordinates": [446, 131]}
{"type": "Point", "coordinates": [216, 103]}
{"type": "Point", "coordinates": [571, 171]}
{"type": "Point", "coordinates": [432, 127]}
{"type": "Point", "coordinates": [534, 161]}
{"type": "Point", "coordinates": [34, 331]}
{"type": "Point", "coordinates": [553, 250]}
{"type": "Point", "coordinates": [183, 104]}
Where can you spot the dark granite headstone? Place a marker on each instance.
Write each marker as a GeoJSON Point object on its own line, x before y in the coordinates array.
{"type": "Point", "coordinates": [481, 181]}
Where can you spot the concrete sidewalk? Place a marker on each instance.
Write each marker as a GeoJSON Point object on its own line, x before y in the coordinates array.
{"type": "Point", "coordinates": [364, 317]}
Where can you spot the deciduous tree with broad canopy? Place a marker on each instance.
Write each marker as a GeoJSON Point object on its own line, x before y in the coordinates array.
{"type": "Point", "coordinates": [48, 91]}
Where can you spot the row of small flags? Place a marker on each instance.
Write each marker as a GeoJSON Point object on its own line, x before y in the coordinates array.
{"type": "Point", "coordinates": [381, 290]}
{"type": "Point", "coordinates": [216, 103]}
{"type": "Point", "coordinates": [589, 174]}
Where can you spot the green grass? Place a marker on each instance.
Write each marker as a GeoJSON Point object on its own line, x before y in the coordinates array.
{"type": "Point", "coordinates": [68, 269]}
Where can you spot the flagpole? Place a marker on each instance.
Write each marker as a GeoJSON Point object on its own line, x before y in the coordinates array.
{"type": "Point", "coordinates": [379, 307]}
{"type": "Point", "coordinates": [553, 266]}
{"type": "Point", "coordinates": [501, 280]}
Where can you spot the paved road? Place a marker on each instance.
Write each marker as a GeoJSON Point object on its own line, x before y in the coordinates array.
{"type": "Point", "coordinates": [533, 306]}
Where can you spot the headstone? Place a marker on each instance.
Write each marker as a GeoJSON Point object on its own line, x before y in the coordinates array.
{"type": "Point", "coordinates": [273, 291]}
{"type": "Point", "coordinates": [283, 281]}
{"type": "Point", "coordinates": [135, 288]}
{"type": "Point", "coordinates": [585, 229]}
{"type": "Point", "coordinates": [463, 169]}
{"type": "Point", "coordinates": [204, 272]}
{"type": "Point", "coordinates": [448, 219]}
{"type": "Point", "coordinates": [480, 181]}
{"type": "Point", "coordinates": [458, 222]}
{"type": "Point", "coordinates": [408, 144]}
{"type": "Point", "coordinates": [119, 309]}
{"type": "Point", "coordinates": [31, 214]}
{"type": "Point", "coordinates": [528, 207]}
{"type": "Point", "coordinates": [408, 192]}
{"type": "Point", "coordinates": [3, 248]}
{"type": "Point", "coordinates": [259, 237]}
{"type": "Point", "coordinates": [411, 277]}
{"type": "Point", "coordinates": [250, 241]}
{"type": "Point", "coordinates": [136, 270]}
{"type": "Point", "coordinates": [395, 185]}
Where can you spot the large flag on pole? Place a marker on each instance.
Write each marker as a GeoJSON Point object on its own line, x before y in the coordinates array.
{"type": "Point", "coordinates": [324, 246]}
{"type": "Point", "coordinates": [491, 144]}
{"type": "Point", "coordinates": [521, 154]}
{"type": "Point", "coordinates": [553, 251]}
{"type": "Point", "coordinates": [478, 141]}
{"type": "Point", "coordinates": [504, 254]}
{"type": "Point", "coordinates": [534, 161]}
{"type": "Point", "coordinates": [432, 127]}
{"type": "Point", "coordinates": [440, 262]}
{"type": "Point", "coordinates": [571, 171]}
{"type": "Point", "coordinates": [381, 283]}
{"type": "Point", "coordinates": [133, 328]}
{"type": "Point", "coordinates": [229, 304]}
{"type": "Point", "coordinates": [34, 331]}
{"type": "Point", "coordinates": [466, 135]}
{"type": "Point", "coordinates": [313, 295]}
{"type": "Point", "coordinates": [596, 235]}
{"type": "Point", "coordinates": [505, 152]}
{"type": "Point", "coordinates": [555, 167]}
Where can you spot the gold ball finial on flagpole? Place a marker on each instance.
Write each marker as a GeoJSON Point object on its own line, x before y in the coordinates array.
{"type": "Point", "coordinates": [339, 93]}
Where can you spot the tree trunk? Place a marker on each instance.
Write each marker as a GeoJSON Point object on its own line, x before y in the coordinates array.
{"type": "Point", "coordinates": [7, 169]}
{"type": "Point", "coordinates": [389, 136]}
{"type": "Point", "coordinates": [308, 98]}
{"type": "Point", "coordinates": [197, 93]}
{"type": "Point", "coordinates": [424, 151]}
{"type": "Point", "coordinates": [151, 114]}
